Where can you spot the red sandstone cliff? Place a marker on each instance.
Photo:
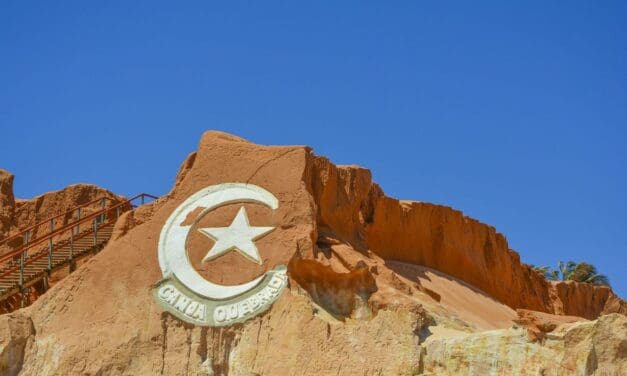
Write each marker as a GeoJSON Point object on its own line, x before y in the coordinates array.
{"type": "Point", "coordinates": [355, 209]}
{"type": "Point", "coordinates": [7, 202]}
{"type": "Point", "coordinates": [352, 208]}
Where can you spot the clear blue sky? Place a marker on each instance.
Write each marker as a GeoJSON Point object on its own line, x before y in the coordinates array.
{"type": "Point", "coordinates": [515, 114]}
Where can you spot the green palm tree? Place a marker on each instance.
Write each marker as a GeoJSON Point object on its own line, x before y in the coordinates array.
{"type": "Point", "coordinates": [567, 269]}
{"type": "Point", "coordinates": [587, 273]}
{"type": "Point", "coordinates": [572, 271]}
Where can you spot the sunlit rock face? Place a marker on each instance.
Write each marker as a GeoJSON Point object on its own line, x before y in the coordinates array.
{"type": "Point", "coordinates": [7, 202]}
{"type": "Point", "coordinates": [18, 214]}
{"type": "Point", "coordinates": [584, 348]}
{"type": "Point", "coordinates": [377, 286]}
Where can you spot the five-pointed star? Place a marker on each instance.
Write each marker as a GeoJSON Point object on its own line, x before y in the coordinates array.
{"type": "Point", "coordinates": [238, 236]}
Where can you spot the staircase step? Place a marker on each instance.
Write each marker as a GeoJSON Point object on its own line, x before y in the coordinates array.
{"type": "Point", "coordinates": [87, 243]}
{"type": "Point", "coordinates": [37, 258]}
{"type": "Point", "coordinates": [45, 257]}
{"type": "Point", "coordinates": [15, 281]}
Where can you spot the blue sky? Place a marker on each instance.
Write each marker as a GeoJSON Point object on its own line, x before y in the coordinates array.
{"type": "Point", "coordinates": [514, 113]}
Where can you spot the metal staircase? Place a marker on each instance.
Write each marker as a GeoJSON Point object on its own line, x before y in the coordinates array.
{"type": "Point", "coordinates": [24, 270]}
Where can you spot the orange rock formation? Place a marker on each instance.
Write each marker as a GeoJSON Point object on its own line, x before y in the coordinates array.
{"type": "Point", "coordinates": [378, 286]}
{"type": "Point", "coordinates": [16, 214]}
{"type": "Point", "coordinates": [357, 211]}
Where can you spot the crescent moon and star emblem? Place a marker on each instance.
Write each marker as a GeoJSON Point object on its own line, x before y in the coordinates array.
{"type": "Point", "coordinates": [188, 295]}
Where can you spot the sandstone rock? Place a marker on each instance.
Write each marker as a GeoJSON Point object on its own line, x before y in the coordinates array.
{"type": "Point", "coordinates": [187, 164]}
{"type": "Point", "coordinates": [538, 324]}
{"type": "Point", "coordinates": [585, 300]}
{"type": "Point", "coordinates": [29, 212]}
{"type": "Point", "coordinates": [583, 348]}
{"type": "Point", "coordinates": [357, 302]}
{"type": "Point", "coordinates": [20, 214]}
{"type": "Point", "coordinates": [15, 331]}
{"type": "Point", "coordinates": [336, 292]}
{"type": "Point", "coordinates": [355, 210]}
{"type": "Point", "coordinates": [296, 340]}
{"type": "Point", "coordinates": [7, 202]}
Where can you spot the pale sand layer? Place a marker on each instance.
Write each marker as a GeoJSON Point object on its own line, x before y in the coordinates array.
{"type": "Point", "coordinates": [466, 302]}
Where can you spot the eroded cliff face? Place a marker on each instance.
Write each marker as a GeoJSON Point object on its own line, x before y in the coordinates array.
{"type": "Point", "coordinates": [374, 289]}
{"type": "Point", "coordinates": [355, 209]}
{"type": "Point", "coordinates": [15, 331]}
{"type": "Point", "coordinates": [30, 211]}
{"type": "Point", "coordinates": [583, 348]}
{"type": "Point", "coordinates": [7, 202]}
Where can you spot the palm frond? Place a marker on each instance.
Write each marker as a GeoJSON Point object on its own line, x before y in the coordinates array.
{"type": "Point", "coordinates": [598, 279]}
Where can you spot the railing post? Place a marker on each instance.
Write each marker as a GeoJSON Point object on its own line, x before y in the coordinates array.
{"type": "Point", "coordinates": [22, 259]}
{"type": "Point", "coordinates": [50, 246]}
{"type": "Point", "coordinates": [78, 218]}
{"type": "Point", "coordinates": [95, 231]}
{"type": "Point", "coordinates": [72, 250]}
{"type": "Point", "coordinates": [72, 246]}
{"type": "Point", "coordinates": [142, 199]}
{"type": "Point", "coordinates": [102, 206]}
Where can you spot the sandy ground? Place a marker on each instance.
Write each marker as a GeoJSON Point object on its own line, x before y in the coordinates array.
{"type": "Point", "coordinates": [463, 300]}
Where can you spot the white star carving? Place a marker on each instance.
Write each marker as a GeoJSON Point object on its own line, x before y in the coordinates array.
{"type": "Point", "coordinates": [239, 236]}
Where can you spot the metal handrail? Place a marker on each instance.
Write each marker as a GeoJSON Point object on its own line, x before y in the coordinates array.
{"type": "Point", "coordinates": [39, 256]}
{"type": "Point", "coordinates": [100, 220]}
{"type": "Point", "coordinates": [47, 220]}
{"type": "Point", "coordinates": [24, 247]}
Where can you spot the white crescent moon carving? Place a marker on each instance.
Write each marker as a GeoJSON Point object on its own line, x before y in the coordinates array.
{"type": "Point", "coordinates": [173, 258]}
